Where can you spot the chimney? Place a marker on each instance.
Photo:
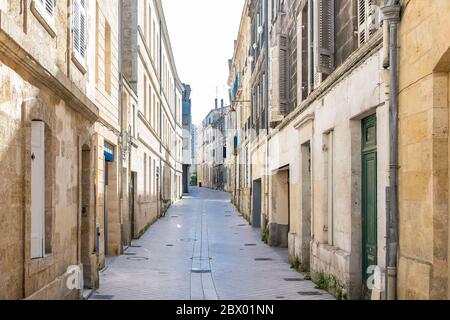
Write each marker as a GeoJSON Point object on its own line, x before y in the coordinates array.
{"type": "Point", "coordinates": [216, 103]}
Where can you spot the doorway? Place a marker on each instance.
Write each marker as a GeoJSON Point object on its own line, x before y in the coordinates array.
{"type": "Point", "coordinates": [133, 205]}
{"type": "Point", "coordinates": [369, 199]}
{"type": "Point", "coordinates": [87, 221]}
{"type": "Point", "coordinates": [306, 206]}
{"type": "Point", "coordinates": [256, 212]}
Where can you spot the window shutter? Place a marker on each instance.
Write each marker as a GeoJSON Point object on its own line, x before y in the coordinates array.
{"type": "Point", "coordinates": [37, 189]}
{"type": "Point", "coordinates": [83, 28]}
{"type": "Point", "coordinates": [325, 61]}
{"type": "Point", "coordinates": [47, 7]}
{"type": "Point", "coordinates": [364, 33]}
{"type": "Point", "coordinates": [283, 74]}
{"type": "Point", "coordinates": [50, 7]}
{"type": "Point", "coordinates": [79, 27]}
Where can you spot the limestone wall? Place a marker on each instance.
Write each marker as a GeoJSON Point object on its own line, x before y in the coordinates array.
{"type": "Point", "coordinates": [424, 125]}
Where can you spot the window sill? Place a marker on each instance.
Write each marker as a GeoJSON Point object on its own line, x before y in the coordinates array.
{"type": "Point", "coordinates": [41, 16]}
{"type": "Point", "coordinates": [40, 264]}
{"type": "Point", "coordinates": [79, 62]}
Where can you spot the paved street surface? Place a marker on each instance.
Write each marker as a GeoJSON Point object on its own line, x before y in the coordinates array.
{"type": "Point", "coordinates": [203, 249]}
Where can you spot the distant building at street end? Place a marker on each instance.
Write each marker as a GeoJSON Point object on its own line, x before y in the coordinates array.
{"type": "Point", "coordinates": [187, 137]}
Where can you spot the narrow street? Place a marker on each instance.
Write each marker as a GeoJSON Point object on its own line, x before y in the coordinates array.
{"type": "Point", "coordinates": [203, 249]}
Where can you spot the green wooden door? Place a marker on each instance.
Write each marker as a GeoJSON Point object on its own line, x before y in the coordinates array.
{"type": "Point", "coordinates": [369, 198]}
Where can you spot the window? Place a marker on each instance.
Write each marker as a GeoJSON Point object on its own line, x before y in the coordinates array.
{"type": "Point", "coordinates": [108, 58]}
{"type": "Point", "coordinates": [44, 10]}
{"type": "Point", "coordinates": [149, 116]}
{"type": "Point", "coordinates": [366, 25]}
{"type": "Point", "coordinates": [145, 174]}
{"type": "Point", "coordinates": [134, 121]}
{"type": "Point", "coordinates": [4, 5]}
{"type": "Point", "coordinates": [322, 40]}
{"type": "Point", "coordinates": [145, 98]}
{"type": "Point", "coordinates": [150, 178]}
{"type": "Point", "coordinates": [79, 30]}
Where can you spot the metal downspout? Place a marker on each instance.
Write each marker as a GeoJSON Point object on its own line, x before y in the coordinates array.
{"type": "Point", "coordinates": [391, 15]}
{"type": "Point", "coordinates": [266, 85]}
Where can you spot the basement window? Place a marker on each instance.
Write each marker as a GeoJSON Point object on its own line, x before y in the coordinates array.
{"type": "Point", "coordinates": [44, 11]}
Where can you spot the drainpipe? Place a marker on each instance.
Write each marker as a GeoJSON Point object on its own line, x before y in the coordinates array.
{"type": "Point", "coordinates": [391, 16]}
{"type": "Point", "coordinates": [266, 102]}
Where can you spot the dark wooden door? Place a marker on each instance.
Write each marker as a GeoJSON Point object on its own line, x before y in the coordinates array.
{"type": "Point", "coordinates": [369, 198]}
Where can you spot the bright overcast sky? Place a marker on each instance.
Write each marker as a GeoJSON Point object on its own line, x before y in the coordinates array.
{"type": "Point", "coordinates": [202, 34]}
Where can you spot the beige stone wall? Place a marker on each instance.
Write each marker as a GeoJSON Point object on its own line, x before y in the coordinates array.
{"type": "Point", "coordinates": [22, 102]}
{"type": "Point", "coordinates": [424, 125]}
{"type": "Point", "coordinates": [45, 86]}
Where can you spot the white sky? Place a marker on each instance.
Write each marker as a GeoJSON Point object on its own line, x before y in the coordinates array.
{"type": "Point", "coordinates": [202, 34]}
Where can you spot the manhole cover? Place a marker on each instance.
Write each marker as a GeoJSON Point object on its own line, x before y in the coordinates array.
{"type": "Point", "coordinates": [194, 270]}
{"type": "Point", "coordinates": [294, 279]}
{"type": "Point", "coordinates": [129, 254]}
{"type": "Point", "coordinates": [250, 245]}
{"type": "Point", "coordinates": [174, 216]}
{"type": "Point", "coordinates": [263, 259]}
{"type": "Point", "coordinates": [102, 297]}
{"type": "Point", "coordinates": [310, 293]}
{"type": "Point", "coordinates": [137, 258]}
{"type": "Point", "coordinates": [135, 246]}
{"type": "Point", "coordinates": [241, 225]}
{"type": "Point", "coordinates": [280, 297]}
{"type": "Point", "coordinates": [170, 245]}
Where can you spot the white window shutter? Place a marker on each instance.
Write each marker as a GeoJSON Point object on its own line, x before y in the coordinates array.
{"type": "Point", "coordinates": [325, 61]}
{"type": "Point", "coordinates": [37, 190]}
{"type": "Point", "coordinates": [50, 7]}
{"type": "Point", "coordinates": [363, 20]}
{"type": "Point", "coordinates": [79, 27]}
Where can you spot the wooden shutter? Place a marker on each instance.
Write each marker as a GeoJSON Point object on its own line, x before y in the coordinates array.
{"type": "Point", "coordinates": [283, 73]}
{"type": "Point", "coordinates": [325, 58]}
{"type": "Point", "coordinates": [47, 8]}
{"type": "Point", "coordinates": [79, 27]}
{"type": "Point", "coordinates": [364, 33]}
{"type": "Point", "coordinates": [37, 189]}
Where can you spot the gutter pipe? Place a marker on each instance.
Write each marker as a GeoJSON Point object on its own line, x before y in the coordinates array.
{"type": "Point", "coordinates": [391, 16]}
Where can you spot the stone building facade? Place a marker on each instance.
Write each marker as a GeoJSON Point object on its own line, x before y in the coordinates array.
{"type": "Point", "coordinates": [187, 137]}
{"type": "Point", "coordinates": [424, 65]}
{"type": "Point", "coordinates": [148, 66]}
{"type": "Point", "coordinates": [90, 156]}
{"type": "Point", "coordinates": [315, 155]}
{"type": "Point", "coordinates": [212, 149]}
{"type": "Point", "coordinates": [48, 113]}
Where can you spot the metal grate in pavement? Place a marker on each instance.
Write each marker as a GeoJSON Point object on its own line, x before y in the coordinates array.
{"type": "Point", "coordinates": [135, 246]}
{"type": "Point", "coordinates": [195, 270]}
{"type": "Point", "coordinates": [102, 297]}
{"type": "Point", "coordinates": [263, 259]}
{"type": "Point", "coordinates": [250, 245]}
{"type": "Point", "coordinates": [137, 258]}
{"type": "Point", "coordinates": [188, 240]}
{"type": "Point", "coordinates": [294, 279]}
{"type": "Point", "coordinates": [201, 258]}
{"type": "Point", "coordinates": [129, 254]}
{"type": "Point", "coordinates": [310, 293]}
{"type": "Point", "coordinates": [170, 245]}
